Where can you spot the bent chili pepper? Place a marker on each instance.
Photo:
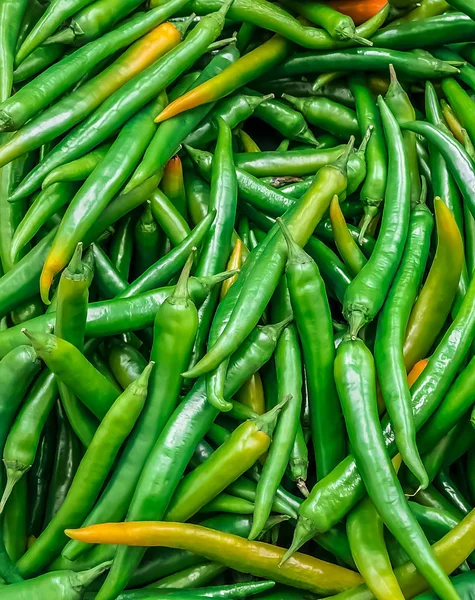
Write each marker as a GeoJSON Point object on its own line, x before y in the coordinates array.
{"type": "Point", "coordinates": [44, 89]}
{"type": "Point", "coordinates": [349, 250]}
{"type": "Point", "coordinates": [356, 384]}
{"type": "Point", "coordinates": [132, 96]}
{"type": "Point", "coordinates": [305, 283]}
{"type": "Point", "coordinates": [289, 373]}
{"type": "Point", "coordinates": [430, 311]}
{"type": "Point", "coordinates": [323, 509]}
{"type": "Point", "coordinates": [79, 104]}
{"type": "Point", "coordinates": [175, 328]}
{"type": "Point", "coordinates": [77, 170]}
{"type": "Point", "coordinates": [94, 20]}
{"type": "Point", "coordinates": [366, 293]}
{"type": "Point", "coordinates": [108, 177]}
{"type": "Point", "coordinates": [239, 452]}
{"type": "Point", "coordinates": [390, 335]}
{"type": "Point", "coordinates": [191, 421]}
{"type": "Point", "coordinates": [91, 474]}
{"type": "Point", "coordinates": [71, 315]}
{"type": "Point", "coordinates": [260, 279]}
{"type": "Point", "coordinates": [260, 559]}
{"type": "Point", "coordinates": [170, 135]}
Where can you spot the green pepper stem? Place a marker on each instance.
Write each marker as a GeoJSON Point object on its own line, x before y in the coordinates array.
{"type": "Point", "coordinates": [181, 288]}
{"type": "Point", "coordinates": [140, 385]}
{"type": "Point", "coordinates": [360, 40]}
{"type": "Point", "coordinates": [274, 330]}
{"type": "Point", "coordinates": [342, 162]}
{"type": "Point", "coordinates": [83, 579]}
{"type": "Point", "coordinates": [304, 531]}
{"type": "Point", "coordinates": [221, 43]}
{"type": "Point", "coordinates": [182, 26]}
{"type": "Point", "coordinates": [299, 103]}
{"type": "Point", "coordinates": [267, 422]}
{"type": "Point", "coordinates": [295, 253]}
{"type": "Point", "coordinates": [65, 36]}
{"type": "Point", "coordinates": [365, 140]}
{"type": "Point", "coordinates": [13, 477]}
{"type": "Point", "coordinates": [423, 194]}
{"type": "Point", "coordinates": [225, 7]}
{"type": "Point", "coordinates": [75, 266]}
{"type": "Point", "coordinates": [212, 280]}
{"type": "Point", "coordinates": [356, 320]}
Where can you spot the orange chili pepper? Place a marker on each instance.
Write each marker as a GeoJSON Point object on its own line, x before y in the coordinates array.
{"type": "Point", "coordinates": [416, 371]}
{"type": "Point", "coordinates": [248, 67]}
{"type": "Point", "coordinates": [301, 571]}
{"type": "Point", "coordinates": [172, 184]}
{"type": "Point", "coordinates": [359, 10]}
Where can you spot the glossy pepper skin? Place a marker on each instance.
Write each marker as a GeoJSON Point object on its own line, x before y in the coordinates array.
{"type": "Point", "coordinates": [236, 455]}
{"type": "Point", "coordinates": [108, 177]}
{"type": "Point", "coordinates": [134, 95]}
{"type": "Point", "coordinates": [170, 135]}
{"type": "Point", "coordinates": [312, 314]}
{"type": "Point", "coordinates": [60, 585]}
{"type": "Point", "coordinates": [390, 336]}
{"type": "Point", "coordinates": [190, 421]}
{"type": "Point", "coordinates": [71, 315]}
{"type": "Point", "coordinates": [366, 293]}
{"type": "Point", "coordinates": [432, 308]}
{"type": "Point", "coordinates": [112, 317]}
{"type": "Point", "coordinates": [356, 385]}
{"type": "Point", "coordinates": [60, 77]}
{"type": "Point", "coordinates": [79, 104]}
{"type": "Point", "coordinates": [331, 498]}
{"type": "Point", "coordinates": [289, 373]}
{"type": "Point", "coordinates": [260, 278]}
{"type": "Point", "coordinates": [257, 558]}
{"type": "Point", "coordinates": [91, 474]}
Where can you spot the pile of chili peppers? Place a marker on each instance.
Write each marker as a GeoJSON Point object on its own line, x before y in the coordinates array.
{"type": "Point", "coordinates": [237, 299]}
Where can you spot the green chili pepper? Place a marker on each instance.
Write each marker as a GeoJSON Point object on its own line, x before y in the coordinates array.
{"type": "Point", "coordinates": [91, 474]}
{"type": "Point", "coordinates": [60, 585]}
{"type": "Point", "coordinates": [217, 243]}
{"type": "Point", "coordinates": [430, 311]}
{"type": "Point", "coordinates": [374, 186]}
{"type": "Point", "coordinates": [105, 182]}
{"type": "Point", "coordinates": [190, 421]}
{"type": "Point", "coordinates": [326, 114]}
{"type": "Point", "coordinates": [324, 507]}
{"type": "Point", "coordinates": [160, 272]}
{"type": "Point", "coordinates": [175, 324]}
{"type": "Point", "coordinates": [117, 316]}
{"type": "Point", "coordinates": [258, 280]}
{"type": "Point", "coordinates": [39, 477]}
{"type": "Point", "coordinates": [122, 245]}
{"type": "Point", "coordinates": [169, 218]}
{"type": "Point", "coordinates": [39, 60]}
{"type": "Point", "coordinates": [366, 293]}
{"type": "Point", "coordinates": [77, 170]}
{"type": "Point", "coordinates": [400, 105]}
{"type": "Point", "coordinates": [197, 194]}
{"type": "Point", "coordinates": [107, 279]}
{"type": "Point", "coordinates": [289, 385]}
{"type": "Point", "coordinates": [354, 370]}
{"type": "Point", "coordinates": [119, 107]}
{"type": "Point", "coordinates": [66, 462]}
{"type": "Point", "coordinates": [57, 12]}
{"type": "Point", "coordinates": [304, 283]}
{"type": "Point", "coordinates": [422, 66]}
{"type": "Point", "coordinates": [173, 185]}
{"type": "Point", "coordinates": [347, 246]}
{"type": "Point", "coordinates": [56, 80]}
{"type": "Point", "coordinates": [391, 329]}
{"type": "Point", "coordinates": [94, 20]}
{"type": "Point", "coordinates": [147, 238]}
{"type": "Point", "coordinates": [448, 28]}
{"type": "Point", "coordinates": [71, 315]}
{"type": "Point", "coordinates": [24, 437]}
{"type": "Point", "coordinates": [74, 107]}
{"type": "Point", "coordinates": [245, 445]}
{"type": "Point", "coordinates": [450, 491]}
{"type": "Point", "coordinates": [233, 110]}
{"type": "Point", "coordinates": [14, 522]}
{"type": "Point", "coordinates": [368, 548]}
{"type": "Point", "coordinates": [75, 371]}
{"type": "Point", "coordinates": [45, 205]}
{"type": "Point", "coordinates": [170, 135]}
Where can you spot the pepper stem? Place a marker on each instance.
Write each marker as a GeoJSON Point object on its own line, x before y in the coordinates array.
{"type": "Point", "coordinates": [65, 36]}
{"type": "Point", "coordinates": [365, 140]}
{"type": "Point", "coordinates": [13, 477]}
{"type": "Point", "coordinates": [182, 26]}
{"type": "Point", "coordinates": [221, 43]}
{"type": "Point", "coordinates": [75, 264]}
{"type": "Point", "coordinates": [81, 580]}
{"type": "Point", "coordinates": [297, 102]}
{"type": "Point", "coordinates": [356, 320]}
{"type": "Point", "coordinates": [140, 385]}
{"type": "Point", "coordinates": [295, 253]}
{"type": "Point", "coordinates": [274, 330]}
{"type": "Point", "coordinates": [360, 40]}
{"type": "Point", "coordinates": [302, 535]}
{"type": "Point", "coordinates": [267, 422]}
{"type": "Point", "coordinates": [181, 288]}
{"type": "Point", "coordinates": [423, 194]}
